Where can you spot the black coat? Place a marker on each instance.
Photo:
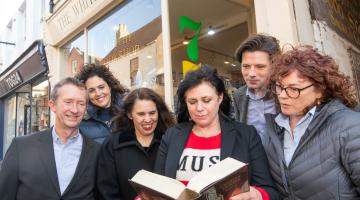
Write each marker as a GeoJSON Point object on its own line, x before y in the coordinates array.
{"type": "Point", "coordinates": [121, 156]}
{"type": "Point", "coordinates": [238, 141]}
{"type": "Point", "coordinates": [29, 170]}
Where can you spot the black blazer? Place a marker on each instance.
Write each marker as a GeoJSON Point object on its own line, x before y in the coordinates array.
{"type": "Point", "coordinates": [238, 141]}
{"type": "Point", "coordinates": [29, 170]}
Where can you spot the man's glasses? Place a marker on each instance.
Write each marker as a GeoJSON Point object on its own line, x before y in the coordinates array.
{"type": "Point", "coordinates": [290, 91]}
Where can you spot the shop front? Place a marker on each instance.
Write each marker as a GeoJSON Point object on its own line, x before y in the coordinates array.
{"type": "Point", "coordinates": [24, 93]}
{"type": "Point", "coordinates": [141, 42]}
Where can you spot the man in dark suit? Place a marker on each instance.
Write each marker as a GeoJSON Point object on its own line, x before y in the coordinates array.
{"type": "Point", "coordinates": [54, 164]}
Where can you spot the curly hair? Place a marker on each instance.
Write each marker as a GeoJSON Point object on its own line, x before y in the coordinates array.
{"type": "Point", "coordinates": [320, 69]}
{"type": "Point", "coordinates": [103, 72]}
{"type": "Point", "coordinates": [122, 121]}
{"type": "Point", "coordinates": [195, 78]}
{"type": "Point", "coordinates": [258, 42]}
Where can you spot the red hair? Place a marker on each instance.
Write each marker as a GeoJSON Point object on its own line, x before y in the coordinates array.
{"type": "Point", "coordinates": [321, 70]}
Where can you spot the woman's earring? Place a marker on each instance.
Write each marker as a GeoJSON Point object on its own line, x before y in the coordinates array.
{"type": "Point", "coordinates": [318, 102]}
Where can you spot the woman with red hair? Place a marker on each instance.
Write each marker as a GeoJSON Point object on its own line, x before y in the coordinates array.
{"type": "Point", "coordinates": [313, 147]}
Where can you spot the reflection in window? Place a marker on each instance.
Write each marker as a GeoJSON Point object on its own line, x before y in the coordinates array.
{"type": "Point", "coordinates": [40, 110]}
{"type": "Point", "coordinates": [132, 33]}
{"type": "Point", "coordinates": [74, 66]}
{"type": "Point", "coordinates": [73, 54]}
{"type": "Point", "coordinates": [10, 115]}
{"type": "Point", "coordinates": [134, 68]}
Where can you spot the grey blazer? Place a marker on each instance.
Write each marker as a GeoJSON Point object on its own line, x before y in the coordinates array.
{"type": "Point", "coordinates": [29, 170]}
{"type": "Point", "coordinates": [241, 102]}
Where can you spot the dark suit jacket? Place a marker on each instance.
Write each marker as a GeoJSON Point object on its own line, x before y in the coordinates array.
{"type": "Point", "coordinates": [29, 170]}
{"type": "Point", "coordinates": [241, 102]}
{"type": "Point", "coordinates": [238, 141]}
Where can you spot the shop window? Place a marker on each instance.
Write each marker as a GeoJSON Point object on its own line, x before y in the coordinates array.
{"type": "Point", "coordinates": [73, 56]}
{"type": "Point", "coordinates": [134, 68]}
{"type": "Point", "coordinates": [9, 122]}
{"type": "Point", "coordinates": [40, 116]}
{"type": "Point", "coordinates": [231, 22]}
{"type": "Point", "coordinates": [132, 33]}
{"type": "Point", "coordinates": [23, 114]}
{"type": "Point", "coordinates": [74, 66]}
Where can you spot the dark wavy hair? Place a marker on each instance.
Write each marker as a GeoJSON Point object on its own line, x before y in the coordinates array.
{"type": "Point", "coordinates": [258, 42]}
{"type": "Point", "coordinates": [320, 69]}
{"type": "Point", "coordinates": [122, 121]}
{"type": "Point", "coordinates": [91, 70]}
{"type": "Point", "coordinates": [195, 78]}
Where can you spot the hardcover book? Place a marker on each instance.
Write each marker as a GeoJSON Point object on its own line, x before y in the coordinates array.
{"type": "Point", "coordinates": [227, 178]}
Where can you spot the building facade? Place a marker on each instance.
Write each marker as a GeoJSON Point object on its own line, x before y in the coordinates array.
{"type": "Point", "coordinates": [24, 85]}
{"type": "Point", "coordinates": [141, 41]}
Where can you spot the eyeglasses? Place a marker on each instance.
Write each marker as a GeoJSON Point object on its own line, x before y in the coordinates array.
{"type": "Point", "coordinates": [290, 91]}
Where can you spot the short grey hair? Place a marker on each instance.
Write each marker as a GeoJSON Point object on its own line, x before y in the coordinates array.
{"type": "Point", "coordinates": [67, 81]}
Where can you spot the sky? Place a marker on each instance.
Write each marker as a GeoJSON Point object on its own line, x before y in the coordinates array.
{"type": "Point", "coordinates": [8, 9]}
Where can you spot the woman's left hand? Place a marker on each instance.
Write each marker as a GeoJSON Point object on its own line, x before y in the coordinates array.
{"type": "Point", "coordinates": [253, 194]}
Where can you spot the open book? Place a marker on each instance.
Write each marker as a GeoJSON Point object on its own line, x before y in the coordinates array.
{"type": "Point", "coordinates": [227, 178]}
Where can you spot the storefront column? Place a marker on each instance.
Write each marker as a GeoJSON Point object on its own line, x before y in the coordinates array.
{"type": "Point", "coordinates": [276, 17]}
{"type": "Point", "coordinates": [56, 70]}
{"type": "Point", "coordinates": [168, 82]}
{"type": "Point", "coordinates": [304, 22]}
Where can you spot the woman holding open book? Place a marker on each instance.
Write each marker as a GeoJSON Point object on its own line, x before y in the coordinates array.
{"type": "Point", "coordinates": [139, 128]}
{"type": "Point", "coordinates": [205, 135]}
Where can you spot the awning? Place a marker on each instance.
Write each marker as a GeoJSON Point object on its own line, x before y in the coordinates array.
{"type": "Point", "coordinates": [26, 67]}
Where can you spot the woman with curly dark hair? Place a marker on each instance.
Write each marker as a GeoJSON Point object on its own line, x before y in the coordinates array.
{"type": "Point", "coordinates": [105, 100]}
{"type": "Point", "coordinates": [139, 128]}
{"type": "Point", "coordinates": [313, 147]}
{"type": "Point", "coordinates": [205, 135]}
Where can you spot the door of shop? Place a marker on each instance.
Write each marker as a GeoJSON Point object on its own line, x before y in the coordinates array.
{"type": "Point", "coordinates": [23, 114]}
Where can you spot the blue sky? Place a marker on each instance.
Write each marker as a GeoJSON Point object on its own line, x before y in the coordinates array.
{"type": "Point", "coordinates": [134, 14]}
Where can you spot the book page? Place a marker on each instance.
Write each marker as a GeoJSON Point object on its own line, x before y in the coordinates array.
{"type": "Point", "coordinates": [214, 173]}
{"type": "Point", "coordinates": [163, 184]}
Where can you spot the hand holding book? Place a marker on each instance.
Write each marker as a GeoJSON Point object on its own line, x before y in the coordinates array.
{"type": "Point", "coordinates": [253, 194]}
{"type": "Point", "coordinates": [228, 178]}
